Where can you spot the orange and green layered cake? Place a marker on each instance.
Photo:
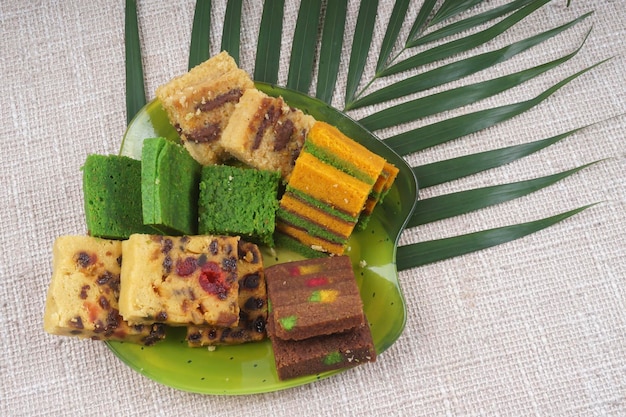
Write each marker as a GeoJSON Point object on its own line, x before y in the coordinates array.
{"type": "Point", "coordinates": [332, 180]}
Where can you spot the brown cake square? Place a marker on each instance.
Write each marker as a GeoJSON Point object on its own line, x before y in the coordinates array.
{"type": "Point", "coordinates": [311, 356]}
{"type": "Point", "coordinates": [314, 297]}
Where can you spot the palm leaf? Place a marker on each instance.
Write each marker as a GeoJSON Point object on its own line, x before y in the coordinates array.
{"type": "Point", "coordinates": [463, 202]}
{"type": "Point", "coordinates": [454, 98]}
{"type": "Point", "coordinates": [470, 22]}
{"type": "Point", "coordinates": [268, 55]}
{"type": "Point", "coordinates": [303, 49]}
{"type": "Point", "coordinates": [361, 42]}
{"type": "Point", "coordinates": [135, 90]}
{"type": "Point", "coordinates": [464, 44]}
{"type": "Point", "coordinates": [200, 36]}
{"type": "Point", "coordinates": [457, 70]}
{"type": "Point", "coordinates": [232, 29]}
{"type": "Point", "coordinates": [452, 169]}
{"type": "Point", "coordinates": [423, 253]}
{"type": "Point", "coordinates": [391, 35]}
{"type": "Point", "coordinates": [456, 127]}
{"type": "Point", "coordinates": [330, 50]}
{"type": "Point", "coordinates": [306, 40]}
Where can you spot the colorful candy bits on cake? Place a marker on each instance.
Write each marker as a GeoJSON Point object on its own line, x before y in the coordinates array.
{"type": "Point", "coordinates": [82, 298]}
{"type": "Point", "coordinates": [180, 280]}
{"type": "Point", "coordinates": [252, 305]}
{"type": "Point", "coordinates": [314, 297]}
{"type": "Point", "coordinates": [238, 201]}
{"type": "Point", "coordinates": [112, 196]}
{"type": "Point", "coordinates": [295, 358]}
{"type": "Point", "coordinates": [265, 133]}
{"type": "Point", "coordinates": [169, 187]}
{"type": "Point", "coordinates": [316, 321]}
{"type": "Point", "coordinates": [199, 104]}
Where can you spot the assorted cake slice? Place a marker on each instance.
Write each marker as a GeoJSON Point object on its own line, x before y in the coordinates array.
{"type": "Point", "coordinates": [200, 102]}
{"type": "Point", "coordinates": [252, 301]}
{"type": "Point", "coordinates": [170, 179]}
{"type": "Point", "coordinates": [332, 181]}
{"type": "Point", "coordinates": [238, 201]}
{"type": "Point", "coordinates": [112, 196]}
{"type": "Point", "coordinates": [265, 133]}
{"type": "Point", "coordinates": [316, 321]}
{"type": "Point", "coordinates": [180, 280]}
{"type": "Point", "coordinates": [82, 298]}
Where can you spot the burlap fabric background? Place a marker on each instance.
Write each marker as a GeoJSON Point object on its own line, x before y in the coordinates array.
{"type": "Point", "coordinates": [533, 327]}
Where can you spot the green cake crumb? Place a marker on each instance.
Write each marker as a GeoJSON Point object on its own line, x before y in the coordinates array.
{"type": "Point", "coordinates": [112, 196]}
{"type": "Point", "coordinates": [238, 201]}
{"type": "Point", "coordinates": [170, 179]}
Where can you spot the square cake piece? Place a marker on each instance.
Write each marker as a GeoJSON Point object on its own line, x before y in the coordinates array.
{"type": "Point", "coordinates": [180, 280]}
{"type": "Point", "coordinates": [82, 298]}
{"type": "Point", "coordinates": [265, 133]}
{"type": "Point", "coordinates": [199, 104]}
{"type": "Point", "coordinates": [252, 305]}
{"type": "Point", "coordinates": [238, 201]}
{"type": "Point", "coordinates": [294, 358]}
{"type": "Point", "coordinates": [169, 187]}
{"type": "Point", "coordinates": [112, 195]}
{"type": "Point", "coordinates": [313, 297]}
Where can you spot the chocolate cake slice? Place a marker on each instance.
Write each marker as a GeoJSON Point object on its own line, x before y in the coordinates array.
{"type": "Point", "coordinates": [313, 297]}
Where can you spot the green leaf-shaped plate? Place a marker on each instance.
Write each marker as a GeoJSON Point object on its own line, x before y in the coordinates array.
{"type": "Point", "coordinates": [249, 368]}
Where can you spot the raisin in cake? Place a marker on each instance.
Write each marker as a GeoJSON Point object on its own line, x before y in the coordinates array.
{"type": "Point", "coordinates": [313, 297]}
{"type": "Point", "coordinates": [83, 295]}
{"type": "Point", "coordinates": [180, 280]}
{"type": "Point", "coordinates": [238, 201]}
{"type": "Point", "coordinates": [265, 133]}
{"type": "Point", "coordinates": [200, 103]}
{"type": "Point", "coordinates": [252, 305]}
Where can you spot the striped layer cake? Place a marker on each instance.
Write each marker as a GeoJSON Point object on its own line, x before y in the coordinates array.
{"type": "Point", "coordinates": [334, 179]}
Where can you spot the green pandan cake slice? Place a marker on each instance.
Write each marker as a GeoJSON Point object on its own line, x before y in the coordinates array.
{"type": "Point", "coordinates": [112, 196]}
{"type": "Point", "coordinates": [169, 187]}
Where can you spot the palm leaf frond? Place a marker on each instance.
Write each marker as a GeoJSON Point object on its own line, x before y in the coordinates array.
{"type": "Point", "coordinates": [456, 127]}
{"type": "Point", "coordinates": [303, 49]}
{"type": "Point", "coordinates": [231, 37]}
{"type": "Point", "coordinates": [330, 49]}
{"type": "Point", "coordinates": [457, 70]}
{"type": "Point", "coordinates": [423, 253]}
{"type": "Point", "coordinates": [135, 89]}
{"type": "Point", "coordinates": [361, 42]}
{"type": "Point", "coordinates": [200, 36]}
{"type": "Point", "coordinates": [316, 28]}
{"type": "Point", "coordinates": [267, 60]}
{"type": "Point", "coordinates": [452, 169]}
{"type": "Point", "coordinates": [463, 202]}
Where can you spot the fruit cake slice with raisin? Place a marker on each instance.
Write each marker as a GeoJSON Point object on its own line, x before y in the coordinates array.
{"type": "Point", "coordinates": [180, 280]}
{"type": "Point", "coordinates": [252, 305]}
{"type": "Point", "coordinates": [82, 299]}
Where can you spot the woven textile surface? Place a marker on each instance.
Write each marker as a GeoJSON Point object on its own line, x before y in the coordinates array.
{"type": "Point", "coordinates": [533, 327]}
